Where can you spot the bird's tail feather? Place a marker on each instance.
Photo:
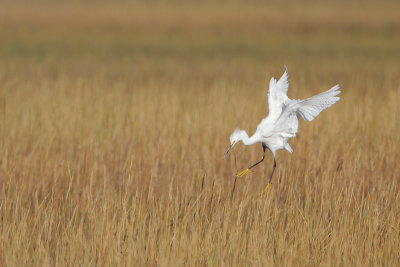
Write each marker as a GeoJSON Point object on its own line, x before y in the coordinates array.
{"type": "Point", "coordinates": [288, 148]}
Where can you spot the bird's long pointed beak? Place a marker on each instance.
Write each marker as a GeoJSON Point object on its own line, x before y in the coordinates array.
{"type": "Point", "coordinates": [229, 148]}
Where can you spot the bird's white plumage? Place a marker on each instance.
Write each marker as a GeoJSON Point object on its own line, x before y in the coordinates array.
{"type": "Point", "coordinates": [282, 121]}
{"type": "Point", "coordinates": [310, 108]}
{"type": "Point", "coordinates": [284, 114]}
{"type": "Point", "coordinates": [277, 94]}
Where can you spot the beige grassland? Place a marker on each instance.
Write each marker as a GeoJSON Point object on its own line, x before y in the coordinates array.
{"type": "Point", "coordinates": [114, 119]}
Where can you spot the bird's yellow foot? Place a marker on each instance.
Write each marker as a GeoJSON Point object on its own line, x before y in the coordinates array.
{"type": "Point", "coordinates": [240, 174]}
{"type": "Point", "coordinates": [266, 188]}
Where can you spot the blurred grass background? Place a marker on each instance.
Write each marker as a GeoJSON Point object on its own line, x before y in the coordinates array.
{"type": "Point", "coordinates": [115, 116]}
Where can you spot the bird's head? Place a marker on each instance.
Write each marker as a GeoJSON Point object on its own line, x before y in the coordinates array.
{"type": "Point", "coordinates": [236, 136]}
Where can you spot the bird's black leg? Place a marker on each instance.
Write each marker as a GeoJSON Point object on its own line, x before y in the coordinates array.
{"type": "Point", "coordinates": [255, 164]}
{"type": "Point", "coordinates": [270, 177]}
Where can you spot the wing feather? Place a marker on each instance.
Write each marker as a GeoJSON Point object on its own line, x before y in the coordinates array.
{"type": "Point", "coordinates": [288, 122]}
{"type": "Point", "coordinates": [310, 108]}
{"type": "Point", "coordinates": [277, 94]}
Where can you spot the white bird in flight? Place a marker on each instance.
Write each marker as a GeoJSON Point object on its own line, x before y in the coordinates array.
{"type": "Point", "coordinates": [283, 119]}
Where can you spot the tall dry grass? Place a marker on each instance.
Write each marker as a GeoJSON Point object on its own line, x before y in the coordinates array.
{"type": "Point", "coordinates": [114, 125]}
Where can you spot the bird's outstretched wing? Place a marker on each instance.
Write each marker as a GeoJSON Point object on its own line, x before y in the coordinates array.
{"type": "Point", "coordinates": [277, 95]}
{"type": "Point", "coordinates": [310, 108]}
{"type": "Point", "coordinates": [287, 124]}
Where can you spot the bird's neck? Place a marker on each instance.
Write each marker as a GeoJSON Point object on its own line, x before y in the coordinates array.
{"type": "Point", "coordinates": [250, 140]}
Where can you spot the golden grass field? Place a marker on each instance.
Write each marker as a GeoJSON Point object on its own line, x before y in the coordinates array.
{"type": "Point", "coordinates": [114, 119]}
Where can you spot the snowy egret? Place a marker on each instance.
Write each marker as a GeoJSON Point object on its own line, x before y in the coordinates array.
{"type": "Point", "coordinates": [283, 119]}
